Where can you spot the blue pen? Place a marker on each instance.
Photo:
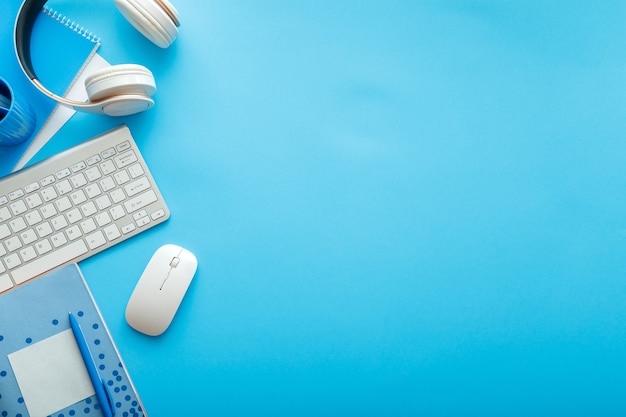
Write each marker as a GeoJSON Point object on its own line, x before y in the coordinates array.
{"type": "Point", "coordinates": [96, 381]}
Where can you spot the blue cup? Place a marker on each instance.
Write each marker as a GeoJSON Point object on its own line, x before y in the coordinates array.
{"type": "Point", "coordinates": [17, 119]}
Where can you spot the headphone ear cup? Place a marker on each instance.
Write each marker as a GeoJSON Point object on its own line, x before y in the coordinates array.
{"type": "Point", "coordinates": [156, 20]}
{"type": "Point", "coordinates": [123, 89]}
{"type": "Point", "coordinates": [120, 80]}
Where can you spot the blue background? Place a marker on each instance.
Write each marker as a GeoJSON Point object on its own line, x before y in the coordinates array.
{"type": "Point", "coordinates": [399, 207]}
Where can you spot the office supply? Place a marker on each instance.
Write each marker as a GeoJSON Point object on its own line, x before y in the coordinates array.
{"type": "Point", "coordinates": [41, 367]}
{"type": "Point", "coordinates": [74, 205]}
{"type": "Point", "coordinates": [157, 20]}
{"type": "Point", "coordinates": [17, 120]}
{"type": "Point", "coordinates": [161, 289]}
{"type": "Point", "coordinates": [58, 66]}
{"type": "Point", "coordinates": [119, 90]}
{"type": "Point", "coordinates": [98, 384]}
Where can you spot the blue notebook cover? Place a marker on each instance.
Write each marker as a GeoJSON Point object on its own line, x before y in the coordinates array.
{"type": "Point", "coordinates": [59, 50]}
{"type": "Point", "coordinates": [38, 352]}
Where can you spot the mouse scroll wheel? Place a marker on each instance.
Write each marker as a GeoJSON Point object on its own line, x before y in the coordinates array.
{"type": "Point", "coordinates": [174, 262]}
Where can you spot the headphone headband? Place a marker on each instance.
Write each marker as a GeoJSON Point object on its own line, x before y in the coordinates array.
{"type": "Point", "coordinates": [29, 10]}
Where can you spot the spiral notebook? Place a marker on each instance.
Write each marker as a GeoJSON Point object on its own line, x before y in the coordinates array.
{"type": "Point", "coordinates": [60, 49]}
{"type": "Point", "coordinates": [41, 370]}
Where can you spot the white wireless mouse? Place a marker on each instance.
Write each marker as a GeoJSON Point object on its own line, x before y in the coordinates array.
{"type": "Point", "coordinates": [161, 289]}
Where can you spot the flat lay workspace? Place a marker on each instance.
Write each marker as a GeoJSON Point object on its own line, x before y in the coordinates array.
{"type": "Point", "coordinates": [313, 208]}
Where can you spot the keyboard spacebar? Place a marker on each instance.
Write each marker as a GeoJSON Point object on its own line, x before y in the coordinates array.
{"type": "Point", "coordinates": [47, 262]}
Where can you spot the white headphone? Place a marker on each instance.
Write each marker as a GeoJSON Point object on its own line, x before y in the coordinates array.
{"type": "Point", "coordinates": [119, 90]}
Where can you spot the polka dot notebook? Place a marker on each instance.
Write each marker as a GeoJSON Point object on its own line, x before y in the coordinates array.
{"type": "Point", "coordinates": [41, 370]}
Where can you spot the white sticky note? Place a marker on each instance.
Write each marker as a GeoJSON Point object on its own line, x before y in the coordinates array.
{"type": "Point", "coordinates": [51, 374]}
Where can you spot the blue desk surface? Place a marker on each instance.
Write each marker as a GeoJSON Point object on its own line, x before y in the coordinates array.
{"type": "Point", "coordinates": [399, 207]}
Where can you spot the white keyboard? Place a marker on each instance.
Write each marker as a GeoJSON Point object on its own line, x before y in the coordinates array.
{"type": "Point", "coordinates": [74, 205]}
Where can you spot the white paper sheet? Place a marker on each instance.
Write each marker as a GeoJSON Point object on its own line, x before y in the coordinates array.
{"type": "Point", "coordinates": [51, 374]}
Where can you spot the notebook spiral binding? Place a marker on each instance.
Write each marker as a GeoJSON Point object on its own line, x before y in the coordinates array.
{"type": "Point", "coordinates": [64, 20]}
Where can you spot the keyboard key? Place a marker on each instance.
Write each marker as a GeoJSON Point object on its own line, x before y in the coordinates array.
{"type": "Point", "coordinates": [123, 146]}
{"type": "Point", "coordinates": [47, 180]}
{"type": "Point", "coordinates": [28, 253]}
{"type": "Point", "coordinates": [5, 283]}
{"type": "Point", "coordinates": [93, 159]}
{"type": "Point", "coordinates": [107, 184]}
{"type": "Point", "coordinates": [65, 172]}
{"type": "Point", "coordinates": [64, 187]}
{"type": "Point", "coordinates": [88, 226]}
{"type": "Point", "coordinates": [43, 246]}
{"type": "Point", "coordinates": [13, 243]}
{"type": "Point", "coordinates": [128, 228]}
{"type": "Point", "coordinates": [96, 239]}
{"type": "Point", "coordinates": [121, 177]}
{"type": "Point", "coordinates": [143, 221]}
{"type": "Point", "coordinates": [78, 197]}
{"type": "Point", "coordinates": [74, 215]}
{"type": "Point", "coordinates": [125, 159]}
{"type": "Point", "coordinates": [63, 204]}
{"type": "Point", "coordinates": [48, 211]}
{"type": "Point", "coordinates": [33, 217]}
{"type": "Point", "coordinates": [93, 173]}
{"type": "Point", "coordinates": [48, 194]}
{"type": "Point", "coordinates": [117, 212]}
{"type": "Point", "coordinates": [89, 209]}
{"type": "Point", "coordinates": [157, 214]}
{"type": "Point", "coordinates": [5, 214]}
{"type": "Point", "coordinates": [4, 231]}
{"type": "Point", "coordinates": [112, 232]}
{"type": "Point", "coordinates": [117, 196]}
{"type": "Point", "coordinates": [12, 261]}
{"type": "Point", "coordinates": [78, 180]}
{"type": "Point", "coordinates": [107, 167]}
{"type": "Point", "coordinates": [33, 201]}
{"type": "Point", "coordinates": [49, 261]}
{"type": "Point", "coordinates": [14, 195]}
{"type": "Point", "coordinates": [28, 236]}
{"type": "Point", "coordinates": [141, 201]}
{"type": "Point", "coordinates": [17, 225]}
{"type": "Point", "coordinates": [59, 222]}
{"type": "Point", "coordinates": [141, 213]}
{"type": "Point", "coordinates": [18, 207]}
{"type": "Point", "coordinates": [93, 190]}
{"type": "Point", "coordinates": [58, 240]}
{"type": "Point", "coordinates": [73, 232]}
{"type": "Point", "coordinates": [44, 229]}
{"type": "Point", "coordinates": [108, 153]}
{"type": "Point", "coordinates": [78, 166]}
{"type": "Point", "coordinates": [135, 171]}
{"type": "Point", "coordinates": [103, 218]}
{"type": "Point", "coordinates": [33, 186]}
{"type": "Point", "coordinates": [137, 186]}
{"type": "Point", "coordinates": [103, 202]}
